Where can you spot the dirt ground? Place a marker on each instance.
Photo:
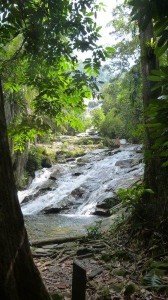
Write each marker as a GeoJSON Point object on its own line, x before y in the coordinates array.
{"type": "Point", "coordinates": [116, 267]}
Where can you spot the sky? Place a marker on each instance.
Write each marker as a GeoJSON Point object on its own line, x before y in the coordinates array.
{"type": "Point", "coordinates": [103, 18]}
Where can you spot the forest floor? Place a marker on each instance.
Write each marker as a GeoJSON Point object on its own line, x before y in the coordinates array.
{"type": "Point", "coordinates": [117, 265]}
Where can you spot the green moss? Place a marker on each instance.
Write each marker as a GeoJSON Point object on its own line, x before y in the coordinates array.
{"type": "Point", "coordinates": [57, 296]}
{"type": "Point", "coordinates": [23, 181]}
{"type": "Point", "coordinates": [106, 256]}
{"type": "Point", "coordinates": [120, 272]}
{"type": "Point", "coordinates": [37, 156]}
{"type": "Point", "coordinates": [130, 289]}
{"type": "Point", "coordinates": [117, 287]}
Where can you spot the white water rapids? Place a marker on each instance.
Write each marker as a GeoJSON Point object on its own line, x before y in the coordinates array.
{"type": "Point", "coordinates": [78, 186]}
{"type": "Point", "coordinates": [75, 189]}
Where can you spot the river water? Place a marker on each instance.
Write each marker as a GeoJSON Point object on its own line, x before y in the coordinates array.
{"type": "Point", "coordinates": [75, 188]}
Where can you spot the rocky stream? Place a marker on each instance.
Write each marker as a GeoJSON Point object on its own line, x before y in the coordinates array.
{"type": "Point", "coordinates": [69, 195]}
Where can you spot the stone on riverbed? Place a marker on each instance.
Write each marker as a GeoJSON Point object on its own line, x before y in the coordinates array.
{"type": "Point", "coordinates": [102, 212]}
{"type": "Point", "coordinates": [107, 201]}
{"type": "Point", "coordinates": [46, 186]}
{"type": "Point", "coordinates": [128, 163]}
{"type": "Point", "coordinates": [52, 210]}
{"type": "Point", "coordinates": [78, 192]}
{"type": "Point", "coordinates": [46, 163]}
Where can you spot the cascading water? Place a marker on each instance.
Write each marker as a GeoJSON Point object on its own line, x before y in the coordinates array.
{"type": "Point", "coordinates": [75, 188]}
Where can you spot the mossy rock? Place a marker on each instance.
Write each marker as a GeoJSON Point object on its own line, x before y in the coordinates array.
{"type": "Point", "coordinates": [120, 272]}
{"type": "Point", "coordinates": [39, 157]}
{"type": "Point", "coordinates": [108, 203]}
{"type": "Point", "coordinates": [130, 289]}
{"type": "Point", "coordinates": [106, 256]}
{"type": "Point", "coordinates": [117, 287]}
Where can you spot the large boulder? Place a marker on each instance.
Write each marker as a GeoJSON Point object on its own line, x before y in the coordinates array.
{"type": "Point", "coordinates": [102, 212]}
{"type": "Point", "coordinates": [128, 163]}
{"type": "Point", "coordinates": [107, 201]}
{"type": "Point", "coordinates": [78, 192]}
{"type": "Point", "coordinates": [52, 210]}
{"type": "Point", "coordinates": [46, 163]}
{"type": "Point", "coordinates": [56, 172]}
{"type": "Point", "coordinates": [45, 186]}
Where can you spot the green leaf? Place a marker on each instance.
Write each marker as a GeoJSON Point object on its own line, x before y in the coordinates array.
{"type": "Point", "coordinates": [161, 50]}
{"type": "Point", "coordinates": [154, 78]}
{"type": "Point", "coordinates": [165, 164]}
{"type": "Point", "coordinates": [152, 280]}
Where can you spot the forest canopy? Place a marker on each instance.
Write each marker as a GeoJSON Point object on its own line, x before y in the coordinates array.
{"type": "Point", "coordinates": [39, 67]}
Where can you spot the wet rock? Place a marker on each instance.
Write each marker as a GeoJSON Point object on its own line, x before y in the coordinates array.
{"type": "Point", "coordinates": [46, 163]}
{"type": "Point", "coordinates": [136, 162]}
{"type": "Point", "coordinates": [78, 192]}
{"type": "Point", "coordinates": [70, 159]}
{"type": "Point", "coordinates": [127, 163]}
{"type": "Point", "coordinates": [46, 186]}
{"type": "Point", "coordinates": [32, 197]}
{"type": "Point", "coordinates": [139, 149]}
{"type": "Point", "coordinates": [114, 152]}
{"type": "Point", "coordinates": [112, 143]}
{"type": "Point", "coordinates": [52, 178]}
{"type": "Point", "coordinates": [81, 161]}
{"type": "Point", "coordinates": [102, 212]}
{"type": "Point", "coordinates": [61, 206]}
{"type": "Point", "coordinates": [53, 175]}
{"type": "Point", "coordinates": [52, 210]}
{"type": "Point", "coordinates": [76, 174]}
{"type": "Point", "coordinates": [27, 199]}
{"type": "Point", "coordinates": [107, 202]}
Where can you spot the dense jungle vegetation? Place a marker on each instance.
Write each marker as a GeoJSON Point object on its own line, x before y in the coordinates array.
{"type": "Point", "coordinates": [42, 92]}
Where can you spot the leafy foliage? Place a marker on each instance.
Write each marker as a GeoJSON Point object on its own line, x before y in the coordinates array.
{"type": "Point", "coordinates": [152, 280]}
{"type": "Point", "coordinates": [122, 100]}
{"type": "Point", "coordinates": [127, 42]}
{"type": "Point", "coordinates": [37, 43]}
{"type": "Point", "coordinates": [130, 197]}
{"type": "Point", "coordinates": [122, 106]}
{"type": "Point", "coordinates": [97, 118]}
{"type": "Point", "coordinates": [93, 231]}
{"type": "Point", "coordinates": [156, 113]}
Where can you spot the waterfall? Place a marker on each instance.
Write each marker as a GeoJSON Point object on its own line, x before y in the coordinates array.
{"type": "Point", "coordinates": [75, 188]}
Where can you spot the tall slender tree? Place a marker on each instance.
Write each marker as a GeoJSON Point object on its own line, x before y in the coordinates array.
{"type": "Point", "coordinates": [152, 19]}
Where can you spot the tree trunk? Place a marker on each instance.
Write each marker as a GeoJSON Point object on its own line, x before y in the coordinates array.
{"type": "Point", "coordinates": [155, 177]}
{"type": "Point", "coordinates": [19, 277]}
{"type": "Point", "coordinates": [148, 63]}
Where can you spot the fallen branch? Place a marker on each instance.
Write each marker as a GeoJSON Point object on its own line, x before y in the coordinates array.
{"type": "Point", "coordinates": [64, 258]}
{"type": "Point", "coordinates": [56, 240]}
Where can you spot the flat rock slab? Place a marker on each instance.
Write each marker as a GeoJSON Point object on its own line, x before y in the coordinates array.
{"type": "Point", "coordinates": [50, 246]}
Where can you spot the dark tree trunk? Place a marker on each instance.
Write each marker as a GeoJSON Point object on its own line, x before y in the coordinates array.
{"type": "Point", "coordinates": [155, 177]}
{"type": "Point", "coordinates": [19, 278]}
{"type": "Point", "coordinates": [148, 63]}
